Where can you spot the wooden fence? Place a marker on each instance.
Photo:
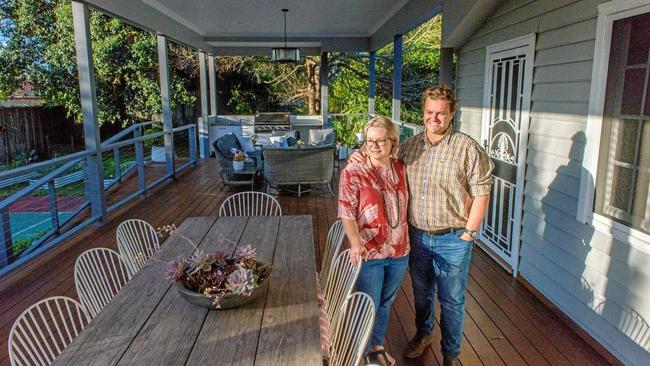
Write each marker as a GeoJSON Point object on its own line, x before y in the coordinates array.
{"type": "Point", "coordinates": [46, 129]}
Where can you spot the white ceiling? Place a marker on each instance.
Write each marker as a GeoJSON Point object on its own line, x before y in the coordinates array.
{"type": "Point", "coordinates": [254, 26]}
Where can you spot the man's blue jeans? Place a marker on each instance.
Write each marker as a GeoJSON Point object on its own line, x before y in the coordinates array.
{"type": "Point", "coordinates": [381, 279]}
{"type": "Point", "coordinates": [439, 263]}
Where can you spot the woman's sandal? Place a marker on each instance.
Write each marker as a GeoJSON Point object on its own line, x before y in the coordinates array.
{"type": "Point", "coordinates": [375, 358]}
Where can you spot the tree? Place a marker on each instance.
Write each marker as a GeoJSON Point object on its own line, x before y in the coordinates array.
{"type": "Point", "coordinates": [420, 68]}
{"type": "Point", "coordinates": [40, 48]}
{"type": "Point", "coordinates": [38, 45]}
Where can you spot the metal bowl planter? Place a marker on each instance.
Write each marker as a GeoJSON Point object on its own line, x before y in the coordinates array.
{"type": "Point", "coordinates": [228, 300]}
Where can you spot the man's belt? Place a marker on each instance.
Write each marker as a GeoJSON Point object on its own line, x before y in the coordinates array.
{"type": "Point", "coordinates": [444, 231]}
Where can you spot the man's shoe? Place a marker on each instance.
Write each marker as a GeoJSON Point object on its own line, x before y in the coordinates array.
{"type": "Point", "coordinates": [416, 346]}
{"type": "Point", "coordinates": [450, 361]}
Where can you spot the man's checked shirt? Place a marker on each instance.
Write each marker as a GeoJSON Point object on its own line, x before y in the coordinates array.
{"type": "Point", "coordinates": [444, 178]}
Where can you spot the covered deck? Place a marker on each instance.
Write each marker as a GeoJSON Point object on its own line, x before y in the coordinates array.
{"type": "Point", "coordinates": [505, 323]}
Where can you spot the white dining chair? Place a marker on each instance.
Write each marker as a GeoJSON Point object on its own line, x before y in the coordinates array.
{"type": "Point", "coordinates": [340, 282]}
{"type": "Point", "coordinates": [351, 330]}
{"type": "Point", "coordinates": [44, 330]}
{"type": "Point", "coordinates": [137, 241]}
{"type": "Point", "coordinates": [335, 237]}
{"type": "Point", "coordinates": [99, 273]}
{"type": "Point", "coordinates": [250, 203]}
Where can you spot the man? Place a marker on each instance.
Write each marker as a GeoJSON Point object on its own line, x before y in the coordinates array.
{"type": "Point", "coordinates": [450, 179]}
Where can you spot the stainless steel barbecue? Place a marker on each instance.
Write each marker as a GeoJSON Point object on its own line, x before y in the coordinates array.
{"type": "Point", "coordinates": [274, 121]}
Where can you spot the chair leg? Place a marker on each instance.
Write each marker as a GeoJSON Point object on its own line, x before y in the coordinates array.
{"type": "Point", "coordinates": [329, 187]}
{"type": "Point", "coordinates": [298, 190]}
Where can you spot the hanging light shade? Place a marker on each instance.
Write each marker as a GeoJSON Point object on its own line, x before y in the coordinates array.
{"type": "Point", "coordinates": [285, 54]}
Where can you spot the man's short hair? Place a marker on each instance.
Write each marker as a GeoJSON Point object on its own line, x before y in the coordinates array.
{"type": "Point", "coordinates": [440, 92]}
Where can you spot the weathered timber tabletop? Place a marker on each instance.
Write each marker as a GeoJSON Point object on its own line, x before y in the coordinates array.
{"type": "Point", "coordinates": [148, 323]}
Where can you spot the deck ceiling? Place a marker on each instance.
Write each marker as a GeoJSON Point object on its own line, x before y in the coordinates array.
{"type": "Point", "coordinates": [253, 27]}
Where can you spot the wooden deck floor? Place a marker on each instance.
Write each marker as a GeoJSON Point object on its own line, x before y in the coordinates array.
{"type": "Point", "coordinates": [504, 323]}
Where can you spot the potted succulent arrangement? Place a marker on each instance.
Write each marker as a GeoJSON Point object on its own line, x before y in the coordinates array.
{"type": "Point", "coordinates": [217, 280]}
{"type": "Point", "coordinates": [238, 158]}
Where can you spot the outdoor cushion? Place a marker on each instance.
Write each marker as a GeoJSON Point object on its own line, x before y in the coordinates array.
{"type": "Point", "coordinates": [226, 142]}
{"type": "Point", "coordinates": [246, 143]}
{"type": "Point", "coordinates": [291, 133]}
{"type": "Point", "coordinates": [279, 141]}
{"type": "Point", "coordinates": [291, 141]}
{"type": "Point", "coordinates": [263, 140]}
{"type": "Point", "coordinates": [322, 137]}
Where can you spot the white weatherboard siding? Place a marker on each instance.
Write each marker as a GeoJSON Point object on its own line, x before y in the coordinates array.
{"type": "Point", "coordinates": [601, 283]}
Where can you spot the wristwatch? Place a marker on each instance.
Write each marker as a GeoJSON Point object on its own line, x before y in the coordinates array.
{"type": "Point", "coordinates": [473, 234]}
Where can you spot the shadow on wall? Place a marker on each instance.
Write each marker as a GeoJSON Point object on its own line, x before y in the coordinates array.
{"type": "Point", "coordinates": [570, 235]}
{"type": "Point", "coordinates": [631, 323]}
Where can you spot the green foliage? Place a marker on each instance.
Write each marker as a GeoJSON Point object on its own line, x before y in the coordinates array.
{"type": "Point", "coordinates": [20, 245]}
{"type": "Point", "coordinates": [420, 69]}
{"type": "Point", "coordinates": [346, 130]}
{"type": "Point", "coordinates": [156, 141]}
{"type": "Point", "coordinates": [38, 45]}
{"type": "Point", "coordinates": [40, 48]}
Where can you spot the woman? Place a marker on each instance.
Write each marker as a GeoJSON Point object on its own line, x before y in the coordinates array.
{"type": "Point", "coordinates": [373, 198]}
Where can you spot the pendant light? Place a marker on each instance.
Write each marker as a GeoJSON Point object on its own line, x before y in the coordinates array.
{"type": "Point", "coordinates": [285, 54]}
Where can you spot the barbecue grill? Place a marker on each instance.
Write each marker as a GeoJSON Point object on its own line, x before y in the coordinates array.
{"type": "Point", "coordinates": [272, 121]}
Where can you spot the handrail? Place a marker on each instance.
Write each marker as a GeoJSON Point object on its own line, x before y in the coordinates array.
{"type": "Point", "coordinates": [126, 131]}
{"type": "Point", "coordinates": [44, 164]}
{"type": "Point", "coordinates": [37, 184]}
{"type": "Point", "coordinates": [7, 174]}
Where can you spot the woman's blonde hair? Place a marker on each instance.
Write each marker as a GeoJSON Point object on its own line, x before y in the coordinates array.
{"type": "Point", "coordinates": [391, 132]}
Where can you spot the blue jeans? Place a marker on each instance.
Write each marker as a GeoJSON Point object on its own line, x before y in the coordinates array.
{"type": "Point", "coordinates": [380, 279]}
{"type": "Point", "coordinates": [439, 263]}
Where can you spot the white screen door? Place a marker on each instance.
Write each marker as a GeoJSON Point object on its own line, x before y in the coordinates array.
{"type": "Point", "coordinates": [506, 101]}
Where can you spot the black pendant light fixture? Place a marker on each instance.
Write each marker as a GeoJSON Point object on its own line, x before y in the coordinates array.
{"type": "Point", "coordinates": [285, 54]}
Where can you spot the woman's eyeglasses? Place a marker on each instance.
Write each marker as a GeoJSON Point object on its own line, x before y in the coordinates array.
{"type": "Point", "coordinates": [378, 142]}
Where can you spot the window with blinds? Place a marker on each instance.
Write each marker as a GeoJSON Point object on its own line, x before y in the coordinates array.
{"type": "Point", "coordinates": [624, 159]}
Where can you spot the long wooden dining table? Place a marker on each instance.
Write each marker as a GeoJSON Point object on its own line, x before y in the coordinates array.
{"type": "Point", "coordinates": [149, 323]}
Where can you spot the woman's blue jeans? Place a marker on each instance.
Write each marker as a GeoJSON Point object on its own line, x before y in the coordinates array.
{"type": "Point", "coordinates": [439, 263]}
{"type": "Point", "coordinates": [381, 279]}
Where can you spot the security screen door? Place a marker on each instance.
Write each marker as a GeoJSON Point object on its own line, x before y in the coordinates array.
{"type": "Point", "coordinates": [506, 100]}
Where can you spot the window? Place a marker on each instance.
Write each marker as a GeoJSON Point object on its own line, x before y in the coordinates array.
{"type": "Point", "coordinates": [624, 152]}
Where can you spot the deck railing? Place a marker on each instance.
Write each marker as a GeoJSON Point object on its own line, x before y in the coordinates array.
{"type": "Point", "coordinates": [55, 201]}
{"type": "Point", "coordinates": [356, 121]}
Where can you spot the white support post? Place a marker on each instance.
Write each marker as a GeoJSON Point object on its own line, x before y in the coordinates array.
{"type": "Point", "coordinates": [212, 73]}
{"type": "Point", "coordinates": [204, 143]}
{"type": "Point", "coordinates": [446, 66]}
{"type": "Point", "coordinates": [163, 64]}
{"type": "Point", "coordinates": [324, 89]}
{"type": "Point", "coordinates": [371, 81]}
{"type": "Point", "coordinates": [94, 175]}
{"type": "Point", "coordinates": [397, 77]}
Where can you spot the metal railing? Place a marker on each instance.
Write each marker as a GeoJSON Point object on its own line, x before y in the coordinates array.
{"type": "Point", "coordinates": [354, 122]}
{"type": "Point", "coordinates": [53, 206]}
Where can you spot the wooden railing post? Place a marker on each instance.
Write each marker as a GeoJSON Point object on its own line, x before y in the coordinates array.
{"type": "Point", "coordinates": [139, 160]}
{"type": "Point", "coordinates": [165, 95]}
{"type": "Point", "coordinates": [192, 137]}
{"type": "Point", "coordinates": [54, 209]}
{"type": "Point", "coordinates": [371, 81]}
{"type": "Point", "coordinates": [6, 244]}
{"type": "Point", "coordinates": [397, 78]}
{"type": "Point", "coordinates": [116, 161]}
{"type": "Point", "coordinates": [94, 173]}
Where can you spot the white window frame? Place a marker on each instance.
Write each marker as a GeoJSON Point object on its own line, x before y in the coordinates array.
{"type": "Point", "coordinates": [608, 13]}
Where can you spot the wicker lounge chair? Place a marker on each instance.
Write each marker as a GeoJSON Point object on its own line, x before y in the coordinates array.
{"type": "Point", "coordinates": [299, 166]}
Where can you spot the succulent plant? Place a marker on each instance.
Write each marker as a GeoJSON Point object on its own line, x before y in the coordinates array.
{"type": "Point", "coordinates": [216, 274]}
{"type": "Point", "coordinates": [200, 261]}
{"type": "Point", "coordinates": [244, 251]}
{"type": "Point", "coordinates": [175, 269]}
{"type": "Point", "coordinates": [241, 282]}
